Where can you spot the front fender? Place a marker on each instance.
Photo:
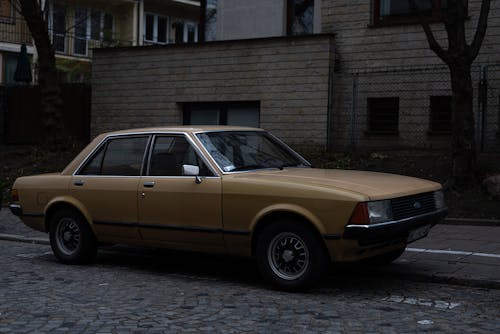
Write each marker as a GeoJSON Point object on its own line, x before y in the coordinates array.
{"type": "Point", "coordinates": [288, 208]}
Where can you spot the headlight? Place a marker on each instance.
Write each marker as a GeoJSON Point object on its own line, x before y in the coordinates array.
{"type": "Point", "coordinates": [379, 211]}
{"type": "Point", "coordinates": [439, 199]}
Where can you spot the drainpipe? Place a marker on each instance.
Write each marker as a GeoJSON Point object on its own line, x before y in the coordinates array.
{"type": "Point", "coordinates": [483, 105]}
{"type": "Point", "coordinates": [353, 112]}
{"type": "Point", "coordinates": [331, 97]}
{"type": "Point", "coordinates": [140, 22]}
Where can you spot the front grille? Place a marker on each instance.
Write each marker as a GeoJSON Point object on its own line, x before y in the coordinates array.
{"type": "Point", "coordinates": [414, 205]}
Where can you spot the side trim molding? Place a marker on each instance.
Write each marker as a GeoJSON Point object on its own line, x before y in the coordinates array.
{"type": "Point", "coordinates": [173, 227]}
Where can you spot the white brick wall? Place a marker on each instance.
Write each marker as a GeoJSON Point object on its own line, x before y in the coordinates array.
{"type": "Point", "coordinates": [363, 48]}
{"type": "Point", "coordinates": [136, 87]}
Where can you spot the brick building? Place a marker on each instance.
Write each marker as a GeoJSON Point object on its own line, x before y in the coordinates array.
{"type": "Point", "coordinates": [324, 73]}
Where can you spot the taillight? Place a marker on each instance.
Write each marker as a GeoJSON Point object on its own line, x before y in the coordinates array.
{"type": "Point", "coordinates": [15, 195]}
{"type": "Point", "coordinates": [360, 215]}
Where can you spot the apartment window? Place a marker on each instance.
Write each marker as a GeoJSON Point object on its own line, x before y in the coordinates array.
{"type": "Point", "coordinates": [58, 27]}
{"type": "Point", "coordinates": [211, 20]}
{"type": "Point", "coordinates": [82, 29]}
{"type": "Point", "coordinates": [185, 32]}
{"type": "Point", "coordinates": [156, 29]}
{"type": "Point", "coordinates": [101, 26]}
{"type": "Point", "coordinates": [190, 32]}
{"type": "Point", "coordinates": [383, 115]}
{"type": "Point", "coordinates": [9, 68]}
{"type": "Point", "coordinates": [400, 11]}
{"type": "Point", "coordinates": [440, 121]}
{"type": "Point", "coordinates": [300, 17]}
{"type": "Point", "coordinates": [245, 113]}
{"type": "Point", "coordinates": [6, 13]}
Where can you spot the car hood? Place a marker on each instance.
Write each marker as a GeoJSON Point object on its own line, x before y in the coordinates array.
{"type": "Point", "coordinates": [373, 185]}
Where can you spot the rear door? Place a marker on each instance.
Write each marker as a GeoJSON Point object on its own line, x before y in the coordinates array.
{"type": "Point", "coordinates": [107, 186]}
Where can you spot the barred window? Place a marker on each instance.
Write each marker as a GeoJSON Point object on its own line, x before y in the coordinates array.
{"type": "Point", "coordinates": [383, 115]}
{"type": "Point", "coordinates": [440, 114]}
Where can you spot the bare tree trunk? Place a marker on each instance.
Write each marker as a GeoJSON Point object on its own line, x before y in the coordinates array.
{"type": "Point", "coordinates": [54, 134]}
{"type": "Point", "coordinates": [463, 134]}
{"type": "Point", "coordinates": [459, 57]}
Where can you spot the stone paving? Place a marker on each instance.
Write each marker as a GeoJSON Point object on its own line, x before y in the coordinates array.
{"type": "Point", "coordinates": [465, 269]}
{"type": "Point", "coordinates": [132, 290]}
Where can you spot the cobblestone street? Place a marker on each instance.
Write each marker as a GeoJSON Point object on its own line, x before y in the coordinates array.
{"type": "Point", "coordinates": [155, 291]}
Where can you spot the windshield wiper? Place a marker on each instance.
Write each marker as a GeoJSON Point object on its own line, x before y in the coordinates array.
{"type": "Point", "coordinates": [290, 165]}
{"type": "Point", "coordinates": [243, 168]}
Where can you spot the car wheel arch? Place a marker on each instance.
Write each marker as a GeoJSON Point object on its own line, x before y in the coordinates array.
{"type": "Point", "coordinates": [59, 204]}
{"type": "Point", "coordinates": [280, 215]}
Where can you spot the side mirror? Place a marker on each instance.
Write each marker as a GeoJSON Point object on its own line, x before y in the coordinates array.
{"type": "Point", "coordinates": [190, 170]}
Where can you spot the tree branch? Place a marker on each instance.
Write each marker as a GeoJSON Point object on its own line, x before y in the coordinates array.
{"type": "Point", "coordinates": [433, 43]}
{"type": "Point", "coordinates": [480, 31]}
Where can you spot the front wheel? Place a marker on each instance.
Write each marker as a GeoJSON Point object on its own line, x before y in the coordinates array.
{"type": "Point", "coordinates": [71, 238]}
{"type": "Point", "coordinates": [290, 255]}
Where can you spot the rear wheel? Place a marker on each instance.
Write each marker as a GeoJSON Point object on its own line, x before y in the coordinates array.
{"type": "Point", "coordinates": [71, 238]}
{"type": "Point", "coordinates": [290, 255]}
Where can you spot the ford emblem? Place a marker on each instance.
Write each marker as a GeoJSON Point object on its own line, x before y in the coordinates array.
{"type": "Point", "coordinates": [417, 205]}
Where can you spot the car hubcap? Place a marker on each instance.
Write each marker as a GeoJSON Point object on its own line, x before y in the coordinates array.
{"type": "Point", "coordinates": [288, 256]}
{"type": "Point", "coordinates": [68, 236]}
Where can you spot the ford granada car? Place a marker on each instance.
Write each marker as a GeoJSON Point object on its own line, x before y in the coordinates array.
{"type": "Point", "coordinates": [232, 190]}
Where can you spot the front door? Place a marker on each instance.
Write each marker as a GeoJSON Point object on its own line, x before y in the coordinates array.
{"type": "Point", "coordinates": [176, 209]}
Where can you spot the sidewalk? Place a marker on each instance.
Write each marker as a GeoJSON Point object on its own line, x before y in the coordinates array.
{"type": "Point", "coordinates": [461, 254]}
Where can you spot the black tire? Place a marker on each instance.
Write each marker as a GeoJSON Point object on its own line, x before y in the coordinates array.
{"type": "Point", "coordinates": [283, 264]}
{"type": "Point", "coordinates": [71, 238]}
{"type": "Point", "coordinates": [386, 258]}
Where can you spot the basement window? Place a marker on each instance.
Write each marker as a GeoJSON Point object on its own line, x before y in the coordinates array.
{"type": "Point", "coordinates": [383, 115]}
{"type": "Point", "coordinates": [237, 113]}
{"type": "Point", "coordinates": [440, 117]}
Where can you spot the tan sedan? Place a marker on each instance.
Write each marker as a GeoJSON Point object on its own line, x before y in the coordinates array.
{"type": "Point", "coordinates": [228, 190]}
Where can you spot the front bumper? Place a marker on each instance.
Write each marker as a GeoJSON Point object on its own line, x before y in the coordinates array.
{"type": "Point", "coordinates": [392, 231]}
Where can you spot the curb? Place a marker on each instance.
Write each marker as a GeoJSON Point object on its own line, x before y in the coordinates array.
{"type": "Point", "coordinates": [20, 238]}
{"type": "Point", "coordinates": [470, 222]}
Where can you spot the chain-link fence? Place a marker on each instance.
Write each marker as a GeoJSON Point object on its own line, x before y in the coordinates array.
{"type": "Point", "coordinates": [410, 108]}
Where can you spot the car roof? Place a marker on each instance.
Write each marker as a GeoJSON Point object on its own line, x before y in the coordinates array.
{"type": "Point", "coordinates": [185, 128]}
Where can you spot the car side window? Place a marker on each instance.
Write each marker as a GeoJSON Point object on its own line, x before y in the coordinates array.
{"type": "Point", "coordinates": [170, 153]}
{"type": "Point", "coordinates": [118, 157]}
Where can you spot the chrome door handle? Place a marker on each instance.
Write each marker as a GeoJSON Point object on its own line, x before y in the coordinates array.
{"type": "Point", "coordinates": [78, 182]}
{"type": "Point", "coordinates": [149, 184]}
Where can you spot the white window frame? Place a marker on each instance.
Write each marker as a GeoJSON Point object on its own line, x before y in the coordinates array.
{"type": "Point", "coordinates": [186, 26]}
{"type": "Point", "coordinates": [51, 28]}
{"type": "Point", "coordinates": [87, 32]}
{"type": "Point", "coordinates": [155, 28]}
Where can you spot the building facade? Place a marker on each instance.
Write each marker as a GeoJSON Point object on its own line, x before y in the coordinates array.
{"type": "Point", "coordinates": [323, 73]}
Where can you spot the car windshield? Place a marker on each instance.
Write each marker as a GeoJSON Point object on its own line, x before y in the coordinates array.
{"type": "Point", "coordinates": [247, 150]}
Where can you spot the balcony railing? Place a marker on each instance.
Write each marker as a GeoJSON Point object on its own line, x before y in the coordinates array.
{"type": "Point", "coordinates": [80, 46]}
{"type": "Point", "coordinates": [14, 30]}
